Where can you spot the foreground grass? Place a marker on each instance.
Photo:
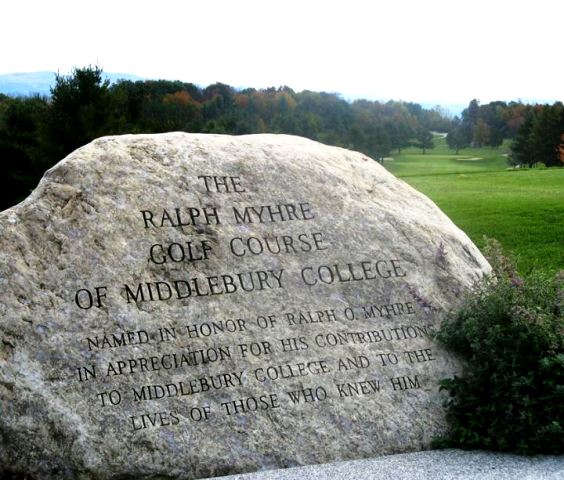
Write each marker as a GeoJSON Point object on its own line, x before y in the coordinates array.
{"type": "Point", "coordinates": [523, 209]}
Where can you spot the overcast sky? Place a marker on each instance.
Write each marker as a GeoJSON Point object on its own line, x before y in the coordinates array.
{"type": "Point", "coordinates": [427, 51]}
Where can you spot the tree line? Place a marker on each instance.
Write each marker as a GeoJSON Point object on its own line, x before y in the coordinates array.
{"type": "Point", "coordinates": [536, 131]}
{"type": "Point", "coordinates": [36, 132]}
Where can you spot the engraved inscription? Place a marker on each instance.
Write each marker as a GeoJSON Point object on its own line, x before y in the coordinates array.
{"type": "Point", "coordinates": [189, 367]}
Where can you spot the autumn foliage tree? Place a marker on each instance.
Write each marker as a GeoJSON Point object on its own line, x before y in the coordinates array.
{"type": "Point", "coordinates": [561, 149]}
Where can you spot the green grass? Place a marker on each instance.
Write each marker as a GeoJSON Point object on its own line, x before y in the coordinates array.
{"type": "Point", "coordinates": [523, 209]}
{"type": "Point", "coordinates": [440, 160]}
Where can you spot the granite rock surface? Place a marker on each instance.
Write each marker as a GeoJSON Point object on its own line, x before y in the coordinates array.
{"type": "Point", "coordinates": [185, 305]}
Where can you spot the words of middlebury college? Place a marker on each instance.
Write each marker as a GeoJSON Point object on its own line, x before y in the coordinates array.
{"type": "Point", "coordinates": [311, 275]}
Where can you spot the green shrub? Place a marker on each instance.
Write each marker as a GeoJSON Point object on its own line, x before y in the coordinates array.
{"type": "Point", "coordinates": [510, 334]}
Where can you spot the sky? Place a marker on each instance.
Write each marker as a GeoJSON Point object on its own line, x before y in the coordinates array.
{"type": "Point", "coordinates": [428, 51]}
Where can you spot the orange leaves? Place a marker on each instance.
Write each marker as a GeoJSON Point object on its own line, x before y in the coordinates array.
{"type": "Point", "coordinates": [241, 100]}
{"type": "Point", "coordinates": [181, 98]}
{"type": "Point", "coordinates": [561, 149]}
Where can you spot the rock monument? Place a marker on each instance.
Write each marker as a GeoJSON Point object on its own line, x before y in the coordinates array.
{"type": "Point", "coordinates": [183, 306]}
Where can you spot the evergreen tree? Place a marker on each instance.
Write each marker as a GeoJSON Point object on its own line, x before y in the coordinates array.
{"type": "Point", "coordinates": [521, 148]}
{"type": "Point", "coordinates": [80, 110]}
{"type": "Point", "coordinates": [547, 129]}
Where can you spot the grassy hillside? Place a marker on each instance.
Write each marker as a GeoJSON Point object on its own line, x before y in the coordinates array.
{"type": "Point", "coordinates": [523, 209]}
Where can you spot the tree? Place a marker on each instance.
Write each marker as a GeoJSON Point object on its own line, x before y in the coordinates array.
{"type": "Point", "coordinates": [424, 140]}
{"type": "Point", "coordinates": [400, 134]}
{"type": "Point", "coordinates": [492, 115]}
{"type": "Point", "coordinates": [80, 110]}
{"type": "Point", "coordinates": [561, 150]}
{"type": "Point", "coordinates": [219, 99]}
{"type": "Point", "coordinates": [521, 148]}
{"type": "Point", "coordinates": [481, 134]}
{"type": "Point", "coordinates": [545, 134]}
{"type": "Point", "coordinates": [21, 153]}
{"type": "Point", "coordinates": [459, 135]}
{"type": "Point", "coordinates": [472, 113]}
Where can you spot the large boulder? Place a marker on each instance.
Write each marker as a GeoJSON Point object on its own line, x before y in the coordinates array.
{"type": "Point", "coordinates": [182, 305]}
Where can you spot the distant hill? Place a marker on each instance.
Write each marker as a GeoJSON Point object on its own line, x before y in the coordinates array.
{"type": "Point", "coordinates": [32, 83]}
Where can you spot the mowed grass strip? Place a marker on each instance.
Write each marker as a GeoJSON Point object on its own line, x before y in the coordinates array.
{"type": "Point", "coordinates": [523, 209]}
{"type": "Point", "coordinates": [442, 161]}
